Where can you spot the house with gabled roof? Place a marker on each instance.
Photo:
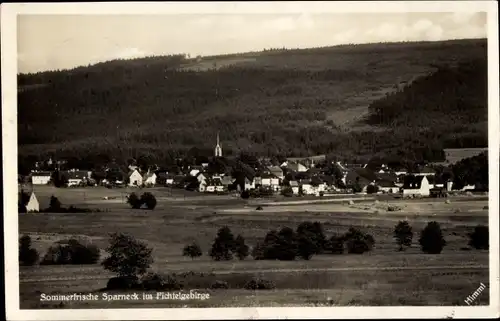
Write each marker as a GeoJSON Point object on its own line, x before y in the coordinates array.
{"type": "Point", "coordinates": [416, 186]}
{"type": "Point", "coordinates": [134, 178]}
{"type": "Point", "coordinates": [33, 205]}
{"type": "Point", "coordinates": [295, 187]}
{"type": "Point", "coordinates": [276, 171]}
{"type": "Point", "coordinates": [296, 167]}
{"type": "Point", "coordinates": [149, 178]}
{"type": "Point", "coordinates": [40, 178]}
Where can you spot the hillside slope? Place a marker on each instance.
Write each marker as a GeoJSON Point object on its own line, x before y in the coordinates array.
{"type": "Point", "coordinates": [295, 102]}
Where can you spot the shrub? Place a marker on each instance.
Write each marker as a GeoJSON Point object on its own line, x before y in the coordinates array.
{"type": "Point", "coordinates": [193, 250]}
{"type": "Point", "coordinates": [306, 246]}
{"type": "Point", "coordinates": [335, 245]}
{"type": "Point", "coordinates": [259, 208]}
{"type": "Point", "coordinates": [223, 246]}
{"type": "Point", "coordinates": [280, 245]}
{"type": "Point", "coordinates": [157, 282]}
{"type": "Point", "coordinates": [371, 189]}
{"type": "Point", "coordinates": [54, 205]}
{"type": "Point", "coordinates": [431, 238]}
{"type": "Point", "coordinates": [128, 257]}
{"type": "Point", "coordinates": [314, 232]}
{"type": "Point", "coordinates": [219, 285]}
{"type": "Point", "coordinates": [23, 200]}
{"type": "Point", "coordinates": [149, 200]}
{"type": "Point", "coordinates": [134, 201]}
{"type": "Point", "coordinates": [71, 252]}
{"type": "Point", "coordinates": [241, 248]}
{"type": "Point", "coordinates": [258, 251]}
{"type": "Point", "coordinates": [480, 238]}
{"type": "Point", "coordinates": [287, 191]}
{"type": "Point", "coordinates": [27, 255]}
{"type": "Point", "coordinates": [123, 283]}
{"type": "Point", "coordinates": [245, 194]}
{"type": "Point", "coordinates": [259, 284]}
{"type": "Point", "coordinates": [358, 242]}
{"type": "Point", "coordinates": [403, 234]}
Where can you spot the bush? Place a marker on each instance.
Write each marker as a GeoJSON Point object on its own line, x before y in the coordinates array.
{"type": "Point", "coordinates": [123, 283]}
{"type": "Point", "coordinates": [71, 252]}
{"type": "Point", "coordinates": [259, 284]}
{"type": "Point", "coordinates": [223, 246]}
{"type": "Point", "coordinates": [403, 234]}
{"type": "Point", "coordinates": [134, 201]}
{"type": "Point", "coordinates": [149, 200]}
{"type": "Point", "coordinates": [193, 250]}
{"type": "Point", "coordinates": [54, 205]}
{"type": "Point", "coordinates": [241, 248]}
{"type": "Point", "coordinates": [157, 282]}
{"type": "Point", "coordinates": [219, 285]}
{"type": "Point", "coordinates": [258, 251]}
{"type": "Point", "coordinates": [480, 238]}
{"type": "Point", "coordinates": [358, 242]}
{"type": "Point", "coordinates": [128, 257]}
{"type": "Point", "coordinates": [245, 195]}
{"type": "Point", "coordinates": [278, 246]}
{"type": "Point", "coordinates": [335, 245]}
{"type": "Point", "coordinates": [431, 238]}
{"type": "Point", "coordinates": [306, 246]}
{"type": "Point", "coordinates": [259, 208]}
{"type": "Point", "coordinates": [314, 231]}
{"type": "Point", "coordinates": [371, 189]}
{"type": "Point", "coordinates": [287, 191]}
{"type": "Point", "coordinates": [27, 255]}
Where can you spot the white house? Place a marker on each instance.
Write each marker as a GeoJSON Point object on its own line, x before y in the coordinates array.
{"type": "Point", "coordinates": [33, 205]}
{"type": "Point", "coordinates": [388, 187]}
{"type": "Point", "coordinates": [194, 172]}
{"type": "Point", "coordinates": [135, 178]}
{"type": "Point", "coordinates": [202, 179]}
{"type": "Point", "coordinates": [297, 167]}
{"type": "Point", "coordinates": [76, 177]}
{"type": "Point", "coordinates": [416, 185]}
{"type": "Point", "coordinates": [249, 184]}
{"type": "Point", "coordinates": [40, 178]}
{"type": "Point", "coordinates": [149, 179]}
{"type": "Point", "coordinates": [468, 188]}
{"type": "Point", "coordinates": [276, 171]}
{"type": "Point", "coordinates": [295, 187]}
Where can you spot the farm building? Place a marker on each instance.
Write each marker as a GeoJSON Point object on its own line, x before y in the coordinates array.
{"type": "Point", "coordinates": [296, 167]}
{"type": "Point", "coordinates": [149, 179]}
{"type": "Point", "coordinates": [276, 171]}
{"type": "Point", "coordinates": [416, 186]}
{"type": "Point", "coordinates": [387, 187]}
{"type": "Point", "coordinates": [40, 178]}
{"type": "Point", "coordinates": [77, 177]}
{"type": "Point", "coordinates": [33, 204]}
{"type": "Point", "coordinates": [135, 178]}
{"type": "Point", "coordinates": [295, 187]}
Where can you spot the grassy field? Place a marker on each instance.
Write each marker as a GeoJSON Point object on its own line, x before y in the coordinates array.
{"type": "Point", "coordinates": [384, 276]}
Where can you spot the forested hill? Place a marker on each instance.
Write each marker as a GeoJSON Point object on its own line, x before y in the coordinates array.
{"type": "Point", "coordinates": [404, 99]}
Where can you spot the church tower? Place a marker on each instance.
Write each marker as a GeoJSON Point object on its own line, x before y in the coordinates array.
{"type": "Point", "coordinates": [218, 149]}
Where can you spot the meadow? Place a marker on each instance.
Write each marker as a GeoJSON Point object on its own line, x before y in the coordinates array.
{"type": "Point", "coordinates": [384, 276]}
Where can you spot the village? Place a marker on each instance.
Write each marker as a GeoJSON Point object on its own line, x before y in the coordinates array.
{"type": "Point", "coordinates": [312, 176]}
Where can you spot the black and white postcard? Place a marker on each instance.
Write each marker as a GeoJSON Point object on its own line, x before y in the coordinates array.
{"type": "Point", "coordinates": [250, 160]}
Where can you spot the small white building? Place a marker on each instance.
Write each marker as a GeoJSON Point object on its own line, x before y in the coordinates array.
{"type": "Point", "coordinates": [416, 186]}
{"type": "Point", "coordinates": [149, 179]}
{"type": "Point", "coordinates": [40, 178]}
{"type": "Point", "coordinates": [194, 172]}
{"type": "Point", "coordinates": [135, 178]}
{"type": "Point", "coordinates": [249, 184]}
{"type": "Point", "coordinates": [33, 204]}
{"type": "Point", "coordinates": [295, 187]}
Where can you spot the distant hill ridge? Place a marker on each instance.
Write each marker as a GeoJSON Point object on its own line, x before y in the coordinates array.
{"type": "Point", "coordinates": [293, 103]}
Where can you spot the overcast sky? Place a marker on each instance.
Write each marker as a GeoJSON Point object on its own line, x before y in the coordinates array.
{"type": "Point", "coordinates": [47, 42]}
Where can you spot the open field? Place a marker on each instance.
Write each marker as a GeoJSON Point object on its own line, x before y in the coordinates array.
{"type": "Point", "coordinates": [384, 276]}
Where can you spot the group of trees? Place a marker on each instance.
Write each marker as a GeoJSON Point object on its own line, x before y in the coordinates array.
{"type": "Point", "coordinates": [147, 199]}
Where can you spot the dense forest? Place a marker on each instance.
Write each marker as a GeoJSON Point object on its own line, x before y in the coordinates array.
{"type": "Point", "coordinates": [419, 98]}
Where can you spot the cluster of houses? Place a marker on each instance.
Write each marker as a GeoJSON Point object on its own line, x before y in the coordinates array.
{"type": "Point", "coordinates": [298, 176]}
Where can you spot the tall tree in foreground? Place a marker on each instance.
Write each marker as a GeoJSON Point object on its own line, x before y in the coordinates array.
{"type": "Point", "coordinates": [403, 234]}
{"type": "Point", "coordinates": [128, 257]}
{"type": "Point", "coordinates": [431, 238]}
{"type": "Point", "coordinates": [223, 246]}
{"type": "Point", "coordinates": [242, 250]}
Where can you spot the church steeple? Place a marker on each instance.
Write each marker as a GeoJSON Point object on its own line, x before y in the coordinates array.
{"type": "Point", "coordinates": [218, 148]}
